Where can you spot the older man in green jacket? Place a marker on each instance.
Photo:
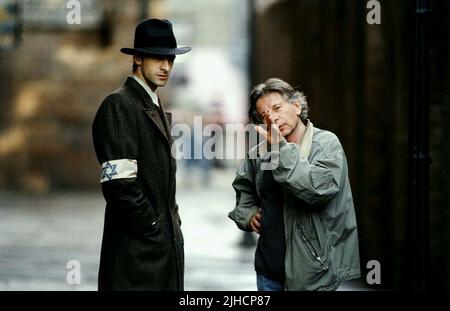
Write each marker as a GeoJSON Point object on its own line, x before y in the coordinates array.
{"type": "Point", "coordinates": [293, 189]}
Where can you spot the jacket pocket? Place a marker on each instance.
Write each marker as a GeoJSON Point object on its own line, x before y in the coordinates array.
{"type": "Point", "coordinates": [312, 248]}
{"type": "Point", "coordinates": [315, 238]}
{"type": "Point", "coordinates": [309, 260]}
{"type": "Point", "coordinates": [152, 229]}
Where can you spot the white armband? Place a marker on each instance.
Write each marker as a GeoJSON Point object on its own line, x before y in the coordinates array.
{"type": "Point", "coordinates": [117, 169]}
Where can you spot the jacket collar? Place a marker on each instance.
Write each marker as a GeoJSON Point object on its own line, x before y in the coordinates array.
{"type": "Point", "coordinates": [304, 146]}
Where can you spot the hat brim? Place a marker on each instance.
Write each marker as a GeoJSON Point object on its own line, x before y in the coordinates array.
{"type": "Point", "coordinates": [156, 51]}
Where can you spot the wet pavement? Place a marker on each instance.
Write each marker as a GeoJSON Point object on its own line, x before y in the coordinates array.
{"type": "Point", "coordinates": [40, 235]}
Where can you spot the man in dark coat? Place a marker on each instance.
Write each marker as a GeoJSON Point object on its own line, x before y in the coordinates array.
{"type": "Point", "coordinates": [142, 247]}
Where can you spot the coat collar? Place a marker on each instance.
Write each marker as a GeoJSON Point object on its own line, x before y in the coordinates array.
{"type": "Point", "coordinates": [153, 95]}
{"type": "Point", "coordinates": [305, 144]}
{"type": "Point", "coordinates": [150, 109]}
{"type": "Point", "coordinates": [140, 91]}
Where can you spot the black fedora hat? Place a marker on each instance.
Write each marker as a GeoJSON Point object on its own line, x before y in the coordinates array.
{"type": "Point", "coordinates": [155, 37]}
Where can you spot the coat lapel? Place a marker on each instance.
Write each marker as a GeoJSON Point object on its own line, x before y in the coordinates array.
{"type": "Point", "coordinates": [149, 107]}
{"type": "Point", "coordinates": [167, 121]}
{"type": "Point", "coordinates": [156, 119]}
{"type": "Point", "coordinates": [169, 117]}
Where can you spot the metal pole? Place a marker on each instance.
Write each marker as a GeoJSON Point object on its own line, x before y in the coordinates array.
{"type": "Point", "coordinates": [143, 9]}
{"type": "Point", "coordinates": [419, 159]}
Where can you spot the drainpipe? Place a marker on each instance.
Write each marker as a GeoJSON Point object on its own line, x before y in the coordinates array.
{"type": "Point", "coordinates": [418, 225]}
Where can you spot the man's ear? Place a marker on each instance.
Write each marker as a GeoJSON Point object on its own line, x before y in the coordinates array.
{"type": "Point", "coordinates": [137, 60]}
{"type": "Point", "coordinates": [298, 107]}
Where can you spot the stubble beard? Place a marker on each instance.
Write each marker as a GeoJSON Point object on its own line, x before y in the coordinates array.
{"type": "Point", "coordinates": [155, 83]}
{"type": "Point", "coordinates": [293, 130]}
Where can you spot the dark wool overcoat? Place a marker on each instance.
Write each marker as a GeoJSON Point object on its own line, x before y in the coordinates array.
{"type": "Point", "coordinates": [142, 246]}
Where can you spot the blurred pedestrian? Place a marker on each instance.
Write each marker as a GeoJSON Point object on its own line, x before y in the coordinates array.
{"type": "Point", "coordinates": [142, 247]}
{"type": "Point", "coordinates": [302, 208]}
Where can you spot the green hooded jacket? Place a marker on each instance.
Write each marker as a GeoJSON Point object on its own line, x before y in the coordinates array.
{"type": "Point", "coordinates": [319, 216]}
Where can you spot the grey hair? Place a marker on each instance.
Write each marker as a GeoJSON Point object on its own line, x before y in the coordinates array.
{"type": "Point", "coordinates": [284, 89]}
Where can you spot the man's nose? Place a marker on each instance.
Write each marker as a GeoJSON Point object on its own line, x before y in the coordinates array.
{"type": "Point", "coordinates": [273, 116]}
{"type": "Point", "coordinates": [165, 65]}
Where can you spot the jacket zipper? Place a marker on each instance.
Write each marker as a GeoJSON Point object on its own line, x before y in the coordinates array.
{"type": "Point", "coordinates": [310, 247]}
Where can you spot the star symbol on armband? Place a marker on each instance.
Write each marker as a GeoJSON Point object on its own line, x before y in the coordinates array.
{"type": "Point", "coordinates": [109, 170]}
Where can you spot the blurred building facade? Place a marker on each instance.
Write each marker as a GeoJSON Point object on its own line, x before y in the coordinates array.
{"type": "Point", "coordinates": [56, 74]}
{"type": "Point", "coordinates": [53, 80]}
{"type": "Point", "coordinates": [357, 78]}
